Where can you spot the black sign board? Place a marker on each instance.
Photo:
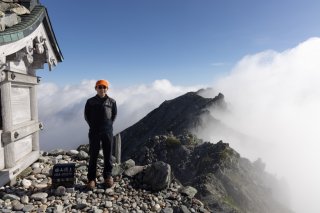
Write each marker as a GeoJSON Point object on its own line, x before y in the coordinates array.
{"type": "Point", "coordinates": [63, 175]}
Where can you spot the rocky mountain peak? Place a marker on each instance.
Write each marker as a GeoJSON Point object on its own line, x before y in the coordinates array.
{"type": "Point", "coordinates": [176, 116]}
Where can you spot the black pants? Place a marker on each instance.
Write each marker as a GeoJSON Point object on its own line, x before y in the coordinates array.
{"type": "Point", "coordinates": [106, 139]}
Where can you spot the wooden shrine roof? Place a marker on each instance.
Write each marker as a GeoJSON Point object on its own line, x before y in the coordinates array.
{"type": "Point", "coordinates": [30, 22]}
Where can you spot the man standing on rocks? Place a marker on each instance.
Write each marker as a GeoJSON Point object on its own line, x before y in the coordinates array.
{"type": "Point", "coordinates": [100, 113]}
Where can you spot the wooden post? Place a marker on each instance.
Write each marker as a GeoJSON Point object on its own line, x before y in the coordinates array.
{"type": "Point", "coordinates": [9, 155]}
{"type": "Point", "coordinates": [118, 148]}
{"type": "Point", "coordinates": [34, 117]}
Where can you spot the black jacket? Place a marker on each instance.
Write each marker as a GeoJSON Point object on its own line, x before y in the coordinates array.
{"type": "Point", "coordinates": [100, 113]}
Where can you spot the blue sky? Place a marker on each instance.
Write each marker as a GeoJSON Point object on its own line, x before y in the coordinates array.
{"type": "Point", "coordinates": [131, 42]}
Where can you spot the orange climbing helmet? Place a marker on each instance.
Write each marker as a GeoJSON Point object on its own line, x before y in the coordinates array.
{"type": "Point", "coordinates": [103, 83]}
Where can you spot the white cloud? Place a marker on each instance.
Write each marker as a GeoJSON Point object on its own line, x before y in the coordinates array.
{"type": "Point", "coordinates": [61, 108]}
{"type": "Point", "coordinates": [275, 98]}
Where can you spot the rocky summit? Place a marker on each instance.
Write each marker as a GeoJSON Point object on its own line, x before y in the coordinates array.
{"type": "Point", "coordinates": [148, 188]}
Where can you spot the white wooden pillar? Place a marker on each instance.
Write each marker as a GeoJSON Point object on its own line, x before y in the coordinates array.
{"type": "Point", "coordinates": [34, 117]}
{"type": "Point", "coordinates": [9, 155]}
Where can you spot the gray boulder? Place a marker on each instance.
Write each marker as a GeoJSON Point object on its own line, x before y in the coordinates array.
{"type": "Point", "coordinates": [158, 176]}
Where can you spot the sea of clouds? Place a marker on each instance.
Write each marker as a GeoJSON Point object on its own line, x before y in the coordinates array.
{"type": "Point", "coordinates": [273, 99]}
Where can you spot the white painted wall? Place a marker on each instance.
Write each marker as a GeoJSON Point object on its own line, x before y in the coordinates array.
{"type": "Point", "coordinates": [23, 147]}
{"type": "Point", "coordinates": [20, 103]}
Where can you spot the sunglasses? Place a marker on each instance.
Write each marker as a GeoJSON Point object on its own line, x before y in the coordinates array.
{"type": "Point", "coordinates": [102, 87]}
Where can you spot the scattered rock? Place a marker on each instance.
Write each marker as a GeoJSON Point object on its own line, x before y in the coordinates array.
{"type": "Point", "coordinates": [167, 210]}
{"type": "Point", "coordinates": [25, 199]}
{"type": "Point", "coordinates": [35, 166]}
{"type": "Point", "coordinates": [156, 208]}
{"type": "Point", "coordinates": [10, 197]}
{"type": "Point", "coordinates": [28, 208]}
{"type": "Point", "coordinates": [83, 155]}
{"type": "Point", "coordinates": [39, 196]}
{"type": "Point", "coordinates": [80, 206]}
{"type": "Point", "coordinates": [17, 206]}
{"type": "Point", "coordinates": [57, 152]}
{"type": "Point", "coordinates": [72, 152]}
{"type": "Point", "coordinates": [60, 191]}
{"type": "Point", "coordinates": [184, 209]}
{"type": "Point", "coordinates": [58, 208]}
{"type": "Point", "coordinates": [26, 183]}
{"type": "Point", "coordinates": [108, 204]}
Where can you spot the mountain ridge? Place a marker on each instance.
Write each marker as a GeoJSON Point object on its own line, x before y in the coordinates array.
{"type": "Point", "coordinates": [226, 182]}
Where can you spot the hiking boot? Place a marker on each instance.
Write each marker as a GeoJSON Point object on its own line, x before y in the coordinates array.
{"type": "Point", "coordinates": [109, 182]}
{"type": "Point", "coordinates": [91, 184]}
